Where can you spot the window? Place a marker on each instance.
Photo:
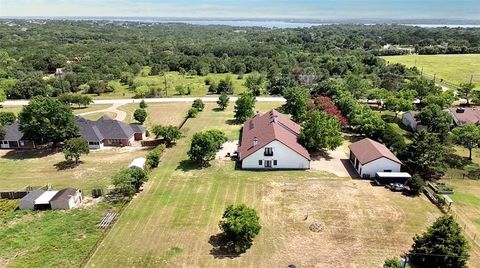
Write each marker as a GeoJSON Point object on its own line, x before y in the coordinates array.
{"type": "Point", "coordinates": [268, 151]}
{"type": "Point", "coordinates": [274, 162]}
{"type": "Point", "coordinates": [22, 143]}
{"type": "Point", "coordinates": [268, 163]}
{"type": "Point", "coordinates": [260, 162]}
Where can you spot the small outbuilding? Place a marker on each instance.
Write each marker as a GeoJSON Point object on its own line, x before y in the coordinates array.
{"type": "Point", "coordinates": [66, 199]}
{"type": "Point", "coordinates": [369, 157]}
{"type": "Point", "coordinates": [28, 201]}
{"type": "Point", "coordinates": [43, 201]}
{"type": "Point", "coordinates": [138, 162]}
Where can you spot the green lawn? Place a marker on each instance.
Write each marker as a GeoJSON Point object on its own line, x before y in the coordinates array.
{"type": "Point", "coordinates": [90, 108]}
{"type": "Point", "coordinates": [455, 69]}
{"type": "Point", "coordinates": [49, 238]}
{"type": "Point", "coordinates": [171, 222]}
{"type": "Point", "coordinates": [196, 82]}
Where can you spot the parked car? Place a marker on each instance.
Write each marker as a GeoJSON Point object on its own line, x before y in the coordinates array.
{"type": "Point", "coordinates": [396, 187]}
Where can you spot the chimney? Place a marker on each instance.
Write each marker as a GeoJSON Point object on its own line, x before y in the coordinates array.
{"type": "Point", "coordinates": [275, 119]}
{"type": "Point", "coordinates": [255, 141]}
{"type": "Point", "coordinates": [460, 110]}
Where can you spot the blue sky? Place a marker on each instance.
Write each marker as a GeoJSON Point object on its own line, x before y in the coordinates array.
{"type": "Point", "coordinates": [467, 9]}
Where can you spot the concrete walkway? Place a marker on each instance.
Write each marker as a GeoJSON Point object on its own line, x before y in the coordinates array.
{"type": "Point", "coordinates": [120, 115]}
{"type": "Point", "coordinates": [152, 100]}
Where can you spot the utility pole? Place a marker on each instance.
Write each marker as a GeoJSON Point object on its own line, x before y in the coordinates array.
{"type": "Point", "coordinates": [165, 82]}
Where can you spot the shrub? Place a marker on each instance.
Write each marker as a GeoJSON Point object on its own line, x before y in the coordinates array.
{"type": "Point", "coordinates": [416, 184]}
{"type": "Point", "coordinates": [143, 104]}
{"type": "Point", "coordinates": [153, 157]}
{"type": "Point", "coordinates": [140, 115]}
{"type": "Point", "coordinates": [198, 103]}
{"type": "Point", "coordinates": [192, 112]}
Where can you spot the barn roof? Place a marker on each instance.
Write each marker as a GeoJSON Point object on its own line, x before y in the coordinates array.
{"type": "Point", "coordinates": [65, 194]}
{"type": "Point", "coordinates": [33, 195]}
{"type": "Point", "coordinates": [368, 150]}
{"type": "Point", "coordinates": [271, 126]}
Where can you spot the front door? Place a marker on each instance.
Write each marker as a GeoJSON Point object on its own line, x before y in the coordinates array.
{"type": "Point", "coordinates": [268, 163]}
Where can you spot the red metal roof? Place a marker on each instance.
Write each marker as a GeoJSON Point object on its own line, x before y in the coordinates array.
{"type": "Point", "coordinates": [368, 150]}
{"type": "Point", "coordinates": [269, 127]}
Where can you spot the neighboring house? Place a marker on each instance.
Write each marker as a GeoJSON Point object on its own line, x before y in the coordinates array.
{"type": "Point", "coordinates": [28, 201]}
{"type": "Point", "coordinates": [13, 138]}
{"type": "Point", "coordinates": [462, 116]}
{"type": "Point", "coordinates": [369, 157]}
{"type": "Point", "coordinates": [409, 119]}
{"type": "Point", "coordinates": [66, 199]}
{"type": "Point", "coordinates": [138, 162]}
{"type": "Point", "coordinates": [269, 141]}
{"type": "Point", "coordinates": [108, 132]}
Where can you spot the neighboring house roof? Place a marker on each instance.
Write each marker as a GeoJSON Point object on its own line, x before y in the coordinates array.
{"type": "Point", "coordinates": [45, 198]}
{"type": "Point", "coordinates": [12, 132]}
{"type": "Point", "coordinates": [65, 194]}
{"type": "Point", "coordinates": [107, 128]}
{"type": "Point", "coordinates": [33, 195]}
{"type": "Point", "coordinates": [269, 127]}
{"type": "Point", "coordinates": [463, 116]}
{"type": "Point", "coordinates": [368, 150]}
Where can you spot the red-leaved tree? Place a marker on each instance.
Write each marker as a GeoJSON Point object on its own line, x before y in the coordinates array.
{"type": "Point", "coordinates": [326, 105]}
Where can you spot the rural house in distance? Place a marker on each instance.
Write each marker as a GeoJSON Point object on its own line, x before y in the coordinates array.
{"type": "Point", "coordinates": [13, 138]}
{"type": "Point", "coordinates": [462, 116]}
{"type": "Point", "coordinates": [369, 157]}
{"type": "Point", "coordinates": [269, 141]}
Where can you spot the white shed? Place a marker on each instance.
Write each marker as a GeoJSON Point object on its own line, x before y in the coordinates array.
{"type": "Point", "coordinates": [66, 199]}
{"type": "Point", "coordinates": [369, 157]}
{"type": "Point", "coordinates": [138, 162]}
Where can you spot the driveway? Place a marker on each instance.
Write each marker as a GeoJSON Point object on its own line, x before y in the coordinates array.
{"type": "Point", "coordinates": [120, 115]}
{"type": "Point", "coordinates": [335, 162]}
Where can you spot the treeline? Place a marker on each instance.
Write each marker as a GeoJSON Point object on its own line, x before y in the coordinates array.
{"type": "Point", "coordinates": [92, 54]}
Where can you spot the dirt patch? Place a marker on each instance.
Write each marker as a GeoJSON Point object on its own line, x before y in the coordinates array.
{"type": "Point", "coordinates": [334, 162]}
{"type": "Point", "coordinates": [227, 150]}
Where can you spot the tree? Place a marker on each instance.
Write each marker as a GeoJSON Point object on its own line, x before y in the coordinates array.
{"type": "Point", "coordinates": [444, 99]}
{"type": "Point", "coordinates": [140, 115]}
{"type": "Point", "coordinates": [223, 101]}
{"type": "Point", "coordinates": [320, 132]}
{"type": "Point", "coordinates": [442, 245]}
{"type": "Point", "coordinates": [198, 103]}
{"type": "Point", "coordinates": [123, 184]}
{"type": "Point", "coordinates": [326, 105]}
{"type": "Point", "coordinates": [393, 139]}
{"type": "Point", "coordinates": [240, 225]}
{"type": "Point", "coordinates": [7, 118]}
{"type": "Point", "coordinates": [225, 85]}
{"type": "Point", "coordinates": [143, 104]}
{"type": "Point", "coordinates": [244, 107]}
{"type": "Point", "coordinates": [296, 102]}
{"type": "Point", "coordinates": [467, 136]}
{"type": "Point", "coordinates": [142, 91]}
{"type": "Point", "coordinates": [205, 145]}
{"type": "Point", "coordinates": [255, 83]}
{"type": "Point", "coordinates": [423, 87]}
{"type": "Point", "coordinates": [435, 119]}
{"type": "Point", "coordinates": [74, 148]}
{"type": "Point", "coordinates": [465, 91]}
{"type": "Point", "coordinates": [367, 122]}
{"type": "Point", "coordinates": [153, 157]}
{"type": "Point", "coordinates": [392, 263]}
{"type": "Point", "coordinates": [180, 89]}
{"type": "Point", "coordinates": [426, 155]}
{"type": "Point", "coordinates": [397, 105]}
{"type": "Point", "coordinates": [46, 119]}
{"type": "Point", "coordinates": [415, 184]}
{"type": "Point", "coordinates": [169, 133]}
{"type": "Point", "coordinates": [192, 112]}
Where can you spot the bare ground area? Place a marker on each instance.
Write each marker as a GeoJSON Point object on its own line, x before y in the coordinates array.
{"type": "Point", "coordinates": [334, 162]}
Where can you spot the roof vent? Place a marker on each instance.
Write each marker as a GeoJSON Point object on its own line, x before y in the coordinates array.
{"type": "Point", "coordinates": [255, 141]}
{"type": "Point", "coordinates": [460, 110]}
{"type": "Point", "coordinates": [275, 119]}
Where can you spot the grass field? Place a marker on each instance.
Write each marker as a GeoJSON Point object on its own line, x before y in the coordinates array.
{"type": "Point", "coordinates": [195, 82]}
{"type": "Point", "coordinates": [90, 108]}
{"type": "Point", "coordinates": [160, 113]}
{"type": "Point", "coordinates": [171, 223]}
{"type": "Point", "coordinates": [49, 238]}
{"type": "Point", "coordinates": [455, 69]}
{"type": "Point", "coordinates": [24, 168]}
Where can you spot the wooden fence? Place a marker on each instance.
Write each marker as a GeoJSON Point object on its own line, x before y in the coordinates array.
{"type": "Point", "coordinates": [13, 195]}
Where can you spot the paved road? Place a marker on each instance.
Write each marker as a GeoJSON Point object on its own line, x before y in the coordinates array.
{"type": "Point", "coordinates": [152, 100]}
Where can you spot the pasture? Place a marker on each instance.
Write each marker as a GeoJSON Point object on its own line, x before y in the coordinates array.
{"type": "Point", "coordinates": [454, 69]}
{"type": "Point", "coordinates": [174, 221]}
{"type": "Point", "coordinates": [195, 82]}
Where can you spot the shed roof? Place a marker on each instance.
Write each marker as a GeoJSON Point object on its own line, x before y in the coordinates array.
{"type": "Point", "coordinates": [65, 194]}
{"type": "Point", "coordinates": [368, 150]}
{"type": "Point", "coordinates": [45, 198]}
{"type": "Point", "coordinates": [393, 175]}
{"type": "Point", "coordinates": [463, 116]}
{"type": "Point", "coordinates": [33, 195]}
{"type": "Point", "coordinates": [138, 162]}
{"type": "Point", "coordinates": [271, 126]}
